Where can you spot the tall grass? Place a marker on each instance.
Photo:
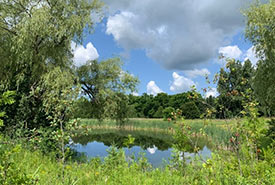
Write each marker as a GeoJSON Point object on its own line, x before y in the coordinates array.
{"type": "Point", "coordinates": [45, 170]}
{"type": "Point", "coordinates": [132, 123]}
{"type": "Point", "coordinates": [218, 130]}
{"type": "Point", "coordinates": [115, 169]}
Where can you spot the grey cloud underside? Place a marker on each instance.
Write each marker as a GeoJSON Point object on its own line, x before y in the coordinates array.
{"type": "Point", "coordinates": [178, 34]}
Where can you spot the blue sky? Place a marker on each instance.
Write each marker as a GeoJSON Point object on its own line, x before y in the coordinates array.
{"type": "Point", "coordinates": [169, 47]}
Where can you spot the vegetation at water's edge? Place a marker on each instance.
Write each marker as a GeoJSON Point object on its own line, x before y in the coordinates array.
{"type": "Point", "coordinates": [222, 168]}
{"type": "Point", "coordinates": [219, 131]}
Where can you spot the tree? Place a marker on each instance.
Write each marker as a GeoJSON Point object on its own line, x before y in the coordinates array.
{"type": "Point", "coordinates": [104, 83]}
{"type": "Point", "coordinates": [159, 112]}
{"type": "Point", "coordinates": [35, 37]}
{"type": "Point", "coordinates": [190, 110]}
{"type": "Point", "coordinates": [120, 109]}
{"type": "Point", "coordinates": [233, 83]}
{"type": "Point", "coordinates": [82, 108]}
{"type": "Point", "coordinates": [60, 91]}
{"type": "Point", "coordinates": [260, 30]}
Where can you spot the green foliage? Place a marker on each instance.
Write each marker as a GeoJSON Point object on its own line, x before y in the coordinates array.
{"type": "Point", "coordinates": [190, 110]}
{"type": "Point", "coordinates": [264, 86]}
{"type": "Point", "coordinates": [260, 31]}
{"type": "Point", "coordinates": [247, 155]}
{"type": "Point", "coordinates": [105, 83]}
{"type": "Point", "coordinates": [167, 113]}
{"type": "Point", "coordinates": [129, 141]}
{"type": "Point", "coordinates": [35, 38]}
{"type": "Point", "coordinates": [113, 170]}
{"type": "Point", "coordinates": [83, 108]}
{"type": "Point", "coordinates": [271, 129]}
{"type": "Point", "coordinates": [159, 112]}
{"type": "Point", "coordinates": [120, 107]}
{"type": "Point", "coordinates": [5, 99]}
{"type": "Point", "coordinates": [10, 173]}
{"type": "Point", "coordinates": [59, 93]}
{"type": "Point", "coordinates": [149, 106]}
{"type": "Point", "coordinates": [233, 85]}
{"type": "Point", "coordinates": [260, 20]}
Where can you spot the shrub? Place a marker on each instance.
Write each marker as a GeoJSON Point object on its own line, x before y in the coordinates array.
{"type": "Point", "coordinates": [167, 112]}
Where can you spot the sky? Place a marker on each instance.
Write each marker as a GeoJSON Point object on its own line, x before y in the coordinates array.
{"type": "Point", "coordinates": [169, 45]}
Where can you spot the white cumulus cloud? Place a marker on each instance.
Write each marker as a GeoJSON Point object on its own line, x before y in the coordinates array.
{"type": "Point", "coordinates": [181, 83]}
{"type": "Point", "coordinates": [82, 54]}
{"type": "Point", "coordinates": [179, 35]}
{"type": "Point", "coordinates": [211, 92]}
{"type": "Point", "coordinates": [153, 89]}
{"type": "Point", "coordinates": [230, 51]}
{"type": "Point", "coordinates": [197, 72]}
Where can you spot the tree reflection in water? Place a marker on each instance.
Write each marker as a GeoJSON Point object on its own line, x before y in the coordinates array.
{"type": "Point", "coordinates": [147, 140]}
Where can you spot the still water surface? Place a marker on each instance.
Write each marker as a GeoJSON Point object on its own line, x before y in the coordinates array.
{"type": "Point", "coordinates": [156, 147]}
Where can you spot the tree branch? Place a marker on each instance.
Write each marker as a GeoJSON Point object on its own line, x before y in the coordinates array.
{"type": "Point", "coordinates": [10, 31]}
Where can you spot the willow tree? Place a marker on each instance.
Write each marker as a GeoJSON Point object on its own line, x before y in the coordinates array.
{"type": "Point", "coordinates": [260, 30]}
{"type": "Point", "coordinates": [35, 37]}
{"type": "Point", "coordinates": [105, 84]}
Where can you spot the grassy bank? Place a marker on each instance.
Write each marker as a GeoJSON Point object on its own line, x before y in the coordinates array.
{"type": "Point", "coordinates": [46, 170]}
{"type": "Point", "coordinates": [221, 169]}
{"type": "Point", "coordinates": [218, 130]}
{"type": "Point", "coordinates": [131, 124]}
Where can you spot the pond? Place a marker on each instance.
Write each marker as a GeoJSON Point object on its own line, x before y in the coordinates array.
{"type": "Point", "coordinates": [156, 146]}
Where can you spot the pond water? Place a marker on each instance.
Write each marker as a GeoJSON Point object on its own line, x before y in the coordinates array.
{"type": "Point", "coordinates": [156, 147]}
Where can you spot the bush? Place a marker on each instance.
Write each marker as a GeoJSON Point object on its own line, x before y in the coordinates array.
{"type": "Point", "coordinates": [10, 173]}
{"type": "Point", "coordinates": [167, 112]}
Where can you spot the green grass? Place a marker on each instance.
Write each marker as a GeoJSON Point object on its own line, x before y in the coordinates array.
{"type": "Point", "coordinates": [218, 130]}
{"type": "Point", "coordinates": [113, 170]}
{"type": "Point", "coordinates": [221, 169]}
{"type": "Point", "coordinates": [131, 123]}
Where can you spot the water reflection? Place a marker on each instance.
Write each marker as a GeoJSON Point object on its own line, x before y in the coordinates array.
{"type": "Point", "coordinates": [117, 138]}
{"type": "Point", "coordinates": [156, 146]}
{"type": "Point", "coordinates": [152, 150]}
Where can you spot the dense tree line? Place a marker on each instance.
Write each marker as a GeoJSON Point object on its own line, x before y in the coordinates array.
{"type": "Point", "coordinates": [149, 106]}
{"type": "Point", "coordinates": [235, 84]}
{"type": "Point", "coordinates": [161, 105]}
